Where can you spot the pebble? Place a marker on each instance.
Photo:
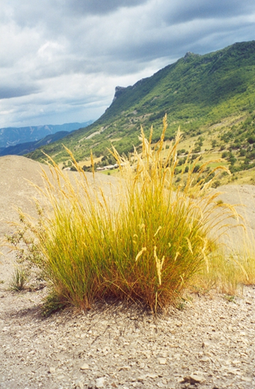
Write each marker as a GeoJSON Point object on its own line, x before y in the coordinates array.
{"type": "Point", "coordinates": [197, 378]}
{"type": "Point", "coordinates": [100, 382]}
{"type": "Point", "coordinates": [162, 361]}
{"type": "Point", "coordinates": [85, 366]}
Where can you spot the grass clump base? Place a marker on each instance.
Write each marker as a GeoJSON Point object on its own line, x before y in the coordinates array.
{"type": "Point", "coordinates": [142, 243]}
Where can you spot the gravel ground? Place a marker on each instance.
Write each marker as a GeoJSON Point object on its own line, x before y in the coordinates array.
{"type": "Point", "coordinates": [209, 343]}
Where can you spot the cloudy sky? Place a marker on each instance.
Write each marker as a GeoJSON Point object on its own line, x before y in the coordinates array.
{"type": "Point", "coordinates": [60, 60]}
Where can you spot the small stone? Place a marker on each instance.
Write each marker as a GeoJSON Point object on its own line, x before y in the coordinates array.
{"type": "Point", "coordinates": [246, 379]}
{"type": "Point", "coordinates": [85, 366]}
{"type": "Point", "coordinates": [195, 378]}
{"type": "Point", "coordinates": [78, 385]}
{"type": "Point", "coordinates": [100, 382]}
{"type": "Point", "coordinates": [152, 375]}
{"type": "Point", "coordinates": [236, 362]}
{"type": "Point", "coordinates": [162, 361]}
{"type": "Point", "coordinates": [205, 359]}
{"type": "Point", "coordinates": [124, 368]}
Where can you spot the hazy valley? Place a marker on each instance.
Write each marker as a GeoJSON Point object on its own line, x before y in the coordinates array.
{"type": "Point", "coordinates": [22, 140]}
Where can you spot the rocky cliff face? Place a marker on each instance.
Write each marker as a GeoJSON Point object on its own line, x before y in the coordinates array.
{"type": "Point", "coordinates": [118, 92]}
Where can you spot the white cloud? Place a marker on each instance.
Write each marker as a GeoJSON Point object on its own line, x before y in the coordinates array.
{"type": "Point", "coordinates": [62, 58]}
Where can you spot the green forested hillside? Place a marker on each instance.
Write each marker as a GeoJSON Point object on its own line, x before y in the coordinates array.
{"type": "Point", "coordinates": [210, 95]}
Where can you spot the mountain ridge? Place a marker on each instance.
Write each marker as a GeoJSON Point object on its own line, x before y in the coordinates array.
{"type": "Point", "coordinates": [195, 92]}
{"type": "Point", "coordinates": [28, 147]}
{"type": "Point", "coordinates": [12, 136]}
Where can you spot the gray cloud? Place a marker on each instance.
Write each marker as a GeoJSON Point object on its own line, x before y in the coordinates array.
{"type": "Point", "coordinates": [8, 92]}
{"type": "Point", "coordinates": [100, 7]}
{"type": "Point", "coordinates": [199, 9]}
{"type": "Point", "coordinates": [61, 54]}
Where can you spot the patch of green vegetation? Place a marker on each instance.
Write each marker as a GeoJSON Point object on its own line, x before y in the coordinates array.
{"type": "Point", "coordinates": [19, 280]}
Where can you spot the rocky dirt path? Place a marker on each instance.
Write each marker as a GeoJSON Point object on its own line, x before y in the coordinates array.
{"type": "Point", "coordinates": [208, 344]}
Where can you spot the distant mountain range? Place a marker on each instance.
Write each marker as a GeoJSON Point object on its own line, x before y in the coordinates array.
{"type": "Point", "coordinates": [197, 92]}
{"type": "Point", "coordinates": [22, 140]}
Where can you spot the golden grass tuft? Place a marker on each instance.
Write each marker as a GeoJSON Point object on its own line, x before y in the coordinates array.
{"type": "Point", "coordinates": [144, 243]}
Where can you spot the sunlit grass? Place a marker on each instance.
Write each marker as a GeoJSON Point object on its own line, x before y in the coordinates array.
{"type": "Point", "coordinates": [143, 243]}
{"type": "Point", "coordinates": [226, 273]}
{"type": "Point", "coordinates": [232, 265]}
